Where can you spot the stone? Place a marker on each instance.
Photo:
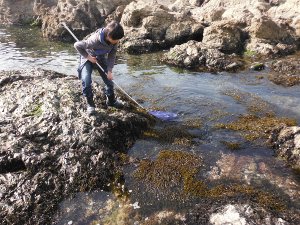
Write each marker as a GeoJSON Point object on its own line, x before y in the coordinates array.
{"type": "Point", "coordinates": [50, 149]}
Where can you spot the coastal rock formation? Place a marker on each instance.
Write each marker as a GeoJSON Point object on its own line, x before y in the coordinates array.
{"type": "Point", "coordinates": [264, 28]}
{"type": "Point", "coordinates": [17, 11]}
{"type": "Point", "coordinates": [143, 22]}
{"type": "Point", "coordinates": [197, 55]}
{"type": "Point", "coordinates": [49, 148]}
{"type": "Point", "coordinates": [286, 142]}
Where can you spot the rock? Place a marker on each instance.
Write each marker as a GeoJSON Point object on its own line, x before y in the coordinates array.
{"type": "Point", "coordinates": [143, 21]}
{"type": "Point", "coordinates": [265, 28]}
{"type": "Point", "coordinates": [268, 28]}
{"type": "Point", "coordinates": [286, 143]}
{"type": "Point", "coordinates": [226, 36]}
{"type": "Point", "coordinates": [285, 72]}
{"type": "Point", "coordinates": [15, 12]}
{"type": "Point", "coordinates": [197, 55]}
{"type": "Point", "coordinates": [238, 10]}
{"type": "Point", "coordinates": [181, 32]}
{"type": "Point", "coordinates": [49, 148]}
{"type": "Point", "coordinates": [257, 66]}
{"type": "Point", "coordinates": [286, 12]}
{"type": "Point", "coordinates": [268, 38]}
{"type": "Point", "coordinates": [242, 215]}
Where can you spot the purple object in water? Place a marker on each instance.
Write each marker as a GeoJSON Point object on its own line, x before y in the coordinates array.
{"type": "Point", "coordinates": [167, 116]}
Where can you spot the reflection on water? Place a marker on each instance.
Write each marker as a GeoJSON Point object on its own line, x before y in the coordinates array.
{"type": "Point", "coordinates": [209, 98]}
{"type": "Point", "coordinates": [21, 48]}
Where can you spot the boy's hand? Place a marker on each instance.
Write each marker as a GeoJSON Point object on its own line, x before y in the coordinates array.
{"type": "Point", "coordinates": [92, 59]}
{"type": "Point", "coordinates": [110, 75]}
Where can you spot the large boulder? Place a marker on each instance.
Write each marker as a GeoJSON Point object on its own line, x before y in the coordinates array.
{"type": "Point", "coordinates": [197, 55]}
{"type": "Point", "coordinates": [269, 38]}
{"type": "Point", "coordinates": [272, 27]}
{"type": "Point", "coordinates": [146, 31]}
{"type": "Point", "coordinates": [238, 10]}
{"type": "Point", "coordinates": [287, 12]}
{"type": "Point", "coordinates": [16, 11]}
{"type": "Point", "coordinates": [82, 17]}
{"type": "Point", "coordinates": [225, 36]}
{"type": "Point", "coordinates": [49, 148]}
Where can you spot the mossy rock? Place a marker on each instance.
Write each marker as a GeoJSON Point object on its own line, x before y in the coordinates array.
{"type": "Point", "coordinates": [253, 127]}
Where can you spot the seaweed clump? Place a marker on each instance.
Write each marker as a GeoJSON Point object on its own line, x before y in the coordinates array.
{"type": "Point", "coordinates": [171, 134]}
{"type": "Point", "coordinates": [170, 169]}
{"type": "Point", "coordinates": [254, 127]}
{"type": "Point", "coordinates": [232, 145]}
{"type": "Point", "coordinates": [176, 171]}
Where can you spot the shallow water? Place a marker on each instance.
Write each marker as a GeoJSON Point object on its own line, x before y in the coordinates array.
{"type": "Point", "coordinates": [196, 97]}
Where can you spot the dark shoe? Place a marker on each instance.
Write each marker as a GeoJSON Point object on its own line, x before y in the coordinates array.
{"type": "Point", "coordinates": [90, 106]}
{"type": "Point", "coordinates": [111, 101]}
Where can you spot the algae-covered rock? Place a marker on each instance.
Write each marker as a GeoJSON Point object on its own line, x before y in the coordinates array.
{"type": "Point", "coordinates": [286, 143]}
{"type": "Point", "coordinates": [50, 148]}
{"type": "Point", "coordinates": [254, 127]}
{"type": "Point", "coordinates": [285, 72]}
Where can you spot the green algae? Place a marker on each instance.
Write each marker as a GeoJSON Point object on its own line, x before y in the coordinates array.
{"type": "Point", "coordinates": [149, 73]}
{"type": "Point", "coordinates": [249, 53]}
{"type": "Point", "coordinates": [193, 123]}
{"type": "Point", "coordinates": [36, 110]}
{"type": "Point", "coordinates": [254, 127]}
{"type": "Point", "coordinates": [217, 114]}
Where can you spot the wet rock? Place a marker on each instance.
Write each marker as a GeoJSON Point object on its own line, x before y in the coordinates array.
{"type": "Point", "coordinates": [242, 214]}
{"type": "Point", "coordinates": [285, 72]}
{"type": "Point", "coordinates": [286, 143]}
{"type": "Point", "coordinates": [237, 213]}
{"type": "Point", "coordinates": [49, 148]}
{"type": "Point", "coordinates": [197, 55]}
{"type": "Point", "coordinates": [257, 66]}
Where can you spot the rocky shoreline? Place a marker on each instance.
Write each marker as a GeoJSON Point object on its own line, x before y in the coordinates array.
{"type": "Point", "coordinates": [50, 149]}
{"type": "Point", "coordinates": [201, 35]}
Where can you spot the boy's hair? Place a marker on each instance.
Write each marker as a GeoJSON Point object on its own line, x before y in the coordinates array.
{"type": "Point", "coordinates": [114, 30]}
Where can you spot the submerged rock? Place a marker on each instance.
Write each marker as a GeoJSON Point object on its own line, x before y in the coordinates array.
{"type": "Point", "coordinates": [286, 142]}
{"type": "Point", "coordinates": [50, 148]}
{"type": "Point", "coordinates": [242, 214]}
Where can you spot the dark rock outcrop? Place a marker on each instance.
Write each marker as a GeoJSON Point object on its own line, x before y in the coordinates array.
{"type": "Point", "coordinates": [50, 148]}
